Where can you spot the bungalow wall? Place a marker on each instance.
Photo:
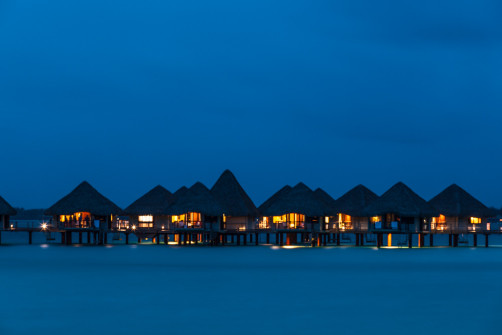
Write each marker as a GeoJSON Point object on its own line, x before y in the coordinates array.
{"type": "Point", "coordinates": [456, 223]}
{"type": "Point", "coordinates": [158, 221]}
{"type": "Point", "coordinates": [239, 223]}
{"type": "Point", "coordinates": [360, 223]}
{"type": "Point", "coordinates": [5, 221]}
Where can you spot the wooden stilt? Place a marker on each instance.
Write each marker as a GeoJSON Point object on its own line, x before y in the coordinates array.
{"type": "Point", "coordinates": [256, 238]}
{"type": "Point", "coordinates": [268, 238]}
{"type": "Point", "coordinates": [410, 240]}
{"type": "Point", "coordinates": [105, 235]}
{"type": "Point", "coordinates": [63, 238]}
{"type": "Point", "coordinates": [139, 240]}
{"type": "Point", "coordinates": [88, 237]}
{"type": "Point", "coordinates": [338, 239]}
{"type": "Point", "coordinates": [244, 237]}
{"type": "Point", "coordinates": [475, 240]}
{"type": "Point", "coordinates": [79, 237]}
{"type": "Point", "coordinates": [379, 241]}
{"type": "Point", "coordinates": [431, 240]}
{"type": "Point", "coordinates": [127, 238]}
{"type": "Point", "coordinates": [450, 240]}
{"type": "Point", "coordinates": [486, 240]}
{"type": "Point", "coordinates": [0, 238]}
{"type": "Point", "coordinates": [357, 240]}
{"type": "Point", "coordinates": [281, 243]}
{"type": "Point", "coordinates": [362, 239]}
{"type": "Point", "coordinates": [30, 237]}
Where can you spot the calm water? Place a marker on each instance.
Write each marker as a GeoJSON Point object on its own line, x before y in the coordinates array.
{"type": "Point", "coordinates": [52, 289]}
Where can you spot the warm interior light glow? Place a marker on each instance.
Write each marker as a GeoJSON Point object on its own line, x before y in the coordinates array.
{"type": "Point", "coordinates": [263, 224]}
{"type": "Point", "coordinates": [389, 240]}
{"type": "Point", "coordinates": [326, 219]}
{"type": "Point", "coordinates": [475, 220]}
{"type": "Point", "coordinates": [189, 219]}
{"type": "Point", "coordinates": [344, 221]}
{"type": "Point", "coordinates": [145, 218]}
{"type": "Point", "coordinates": [224, 218]}
{"type": "Point", "coordinates": [291, 220]}
{"type": "Point", "coordinates": [44, 225]}
{"type": "Point", "coordinates": [376, 219]}
{"type": "Point", "coordinates": [133, 227]}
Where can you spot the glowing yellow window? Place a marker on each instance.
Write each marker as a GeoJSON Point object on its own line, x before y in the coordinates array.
{"type": "Point", "coordinates": [475, 220]}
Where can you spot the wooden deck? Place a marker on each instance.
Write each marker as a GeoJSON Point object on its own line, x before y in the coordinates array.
{"type": "Point", "coordinates": [300, 237]}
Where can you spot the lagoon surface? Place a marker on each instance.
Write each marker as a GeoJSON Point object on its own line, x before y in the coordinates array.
{"type": "Point", "coordinates": [139, 289]}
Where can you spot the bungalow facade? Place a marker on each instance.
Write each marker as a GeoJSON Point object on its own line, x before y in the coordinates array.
{"type": "Point", "coordinates": [240, 213]}
{"type": "Point", "coordinates": [330, 219]}
{"type": "Point", "coordinates": [84, 207]}
{"type": "Point", "coordinates": [458, 211]}
{"type": "Point", "coordinates": [196, 209]}
{"type": "Point", "coordinates": [150, 211]}
{"type": "Point", "coordinates": [400, 209]}
{"type": "Point", "coordinates": [264, 222]}
{"type": "Point", "coordinates": [6, 211]}
{"type": "Point", "coordinates": [349, 209]}
{"type": "Point", "coordinates": [292, 209]}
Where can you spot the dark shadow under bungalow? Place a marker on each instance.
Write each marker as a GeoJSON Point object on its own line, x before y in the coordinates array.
{"type": "Point", "coordinates": [349, 209]}
{"type": "Point", "coordinates": [240, 213]}
{"type": "Point", "coordinates": [150, 211]}
{"type": "Point", "coordinates": [459, 212]}
{"type": "Point", "coordinates": [400, 209]}
{"type": "Point", "coordinates": [6, 211]}
{"type": "Point", "coordinates": [84, 208]}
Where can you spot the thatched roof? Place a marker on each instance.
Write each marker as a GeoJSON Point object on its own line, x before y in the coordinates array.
{"type": "Point", "coordinates": [232, 196]}
{"type": "Point", "coordinates": [355, 201]}
{"type": "Point", "coordinates": [84, 198]}
{"type": "Point", "coordinates": [155, 202]}
{"type": "Point", "coordinates": [179, 192]}
{"type": "Point", "coordinates": [455, 201]}
{"type": "Point", "coordinates": [327, 200]}
{"type": "Point", "coordinates": [5, 208]}
{"type": "Point", "coordinates": [300, 199]}
{"type": "Point", "coordinates": [400, 200]}
{"type": "Point", "coordinates": [197, 199]}
{"type": "Point", "coordinates": [273, 198]}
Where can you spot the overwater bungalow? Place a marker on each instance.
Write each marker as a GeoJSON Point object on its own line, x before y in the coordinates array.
{"type": "Point", "coordinates": [458, 211]}
{"type": "Point", "coordinates": [150, 210]}
{"type": "Point", "coordinates": [196, 208]}
{"type": "Point", "coordinates": [295, 209]}
{"type": "Point", "coordinates": [84, 207]}
{"type": "Point", "coordinates": [264, 222]}
{"type": "Point", "coordinates": [6, 211]}
{"type": "Point", "coordinates": [331, 217]}
{"type": "Point", "coordinates": [350, 207]}
{"type": "Point", "coordinates": [400, 209]}
{"type": "Point", "coordinates": [240, 213]}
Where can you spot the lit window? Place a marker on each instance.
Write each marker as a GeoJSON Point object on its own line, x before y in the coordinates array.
{"type": "Point", "coordinates": [475, 220]}
{"type": "Point", "coordinates": [145, 218]}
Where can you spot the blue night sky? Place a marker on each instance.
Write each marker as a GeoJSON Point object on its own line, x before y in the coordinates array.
{"type": "Point", "coordinates": [131, 94]}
